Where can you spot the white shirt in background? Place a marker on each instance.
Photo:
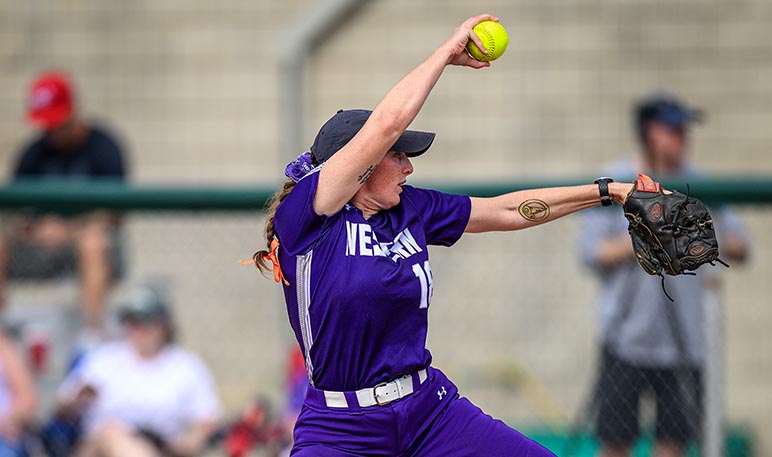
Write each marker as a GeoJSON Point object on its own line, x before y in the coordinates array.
{"type": "Point", "coordinates": [165, 394]}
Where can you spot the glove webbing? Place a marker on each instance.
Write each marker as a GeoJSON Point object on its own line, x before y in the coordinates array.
{"type": "Point", "coordinates": [676, 231]}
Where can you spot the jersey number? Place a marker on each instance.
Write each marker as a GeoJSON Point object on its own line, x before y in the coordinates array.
{"type": "Point", "coordinates": [424, 275]}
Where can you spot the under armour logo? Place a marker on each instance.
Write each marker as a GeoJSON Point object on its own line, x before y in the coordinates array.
{"type": "Point", "coordinates": [442, 392]}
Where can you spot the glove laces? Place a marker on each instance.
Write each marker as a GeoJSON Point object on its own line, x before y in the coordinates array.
{"type": "Point", "coordinates": [677, 230]}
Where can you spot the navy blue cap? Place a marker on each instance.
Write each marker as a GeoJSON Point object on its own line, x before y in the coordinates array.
{"type": "Point", "coordinates": [667, 109]}
{"type": "Point", "coordinates": [342, 127]}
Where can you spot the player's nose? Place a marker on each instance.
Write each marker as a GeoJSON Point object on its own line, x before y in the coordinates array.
{"type": "Point", "coordinates": [407, 166]}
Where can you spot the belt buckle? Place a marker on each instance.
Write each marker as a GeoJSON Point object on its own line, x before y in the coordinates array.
{"type": "Point", "coordinates": [375, 394]}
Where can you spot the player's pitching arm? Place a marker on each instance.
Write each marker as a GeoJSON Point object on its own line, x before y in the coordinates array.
{"type": "Point", "coordinates": [346, 171]}
{"type": "Point", "coordinates": [526, 208]}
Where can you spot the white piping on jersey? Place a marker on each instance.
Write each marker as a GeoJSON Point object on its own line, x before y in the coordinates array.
{"type": "Point", "coordinates": [303, 291]}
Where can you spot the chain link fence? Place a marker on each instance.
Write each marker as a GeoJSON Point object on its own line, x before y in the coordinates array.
{"type": "Point", "coordinates": [513, 318]}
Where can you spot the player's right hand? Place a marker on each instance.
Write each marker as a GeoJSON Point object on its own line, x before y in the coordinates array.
{"type": "Point", "coordinates": [456, 44]}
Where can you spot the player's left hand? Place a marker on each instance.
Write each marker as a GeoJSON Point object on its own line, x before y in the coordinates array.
{"type": "Point", "coordinates": [671, 233]}
{"type": "Point", "coordinates": [457, 42]}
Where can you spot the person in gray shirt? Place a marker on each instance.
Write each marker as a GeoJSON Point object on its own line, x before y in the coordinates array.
{"type": "Point", "coordinates": [650, 344]}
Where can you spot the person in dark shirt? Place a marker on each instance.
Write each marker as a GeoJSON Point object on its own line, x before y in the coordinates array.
{"type": "Point", "coordinates": [48, 245]}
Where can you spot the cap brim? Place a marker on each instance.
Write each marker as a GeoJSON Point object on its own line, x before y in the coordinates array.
{"type": "Point", "coordinates": [680, 118]}
{"type": "Point", "coordinates": [138, 316]}
{"type": "Point", "coordinates": [696, 115]}
{"type": "Point", "coordinates": [414, 143]}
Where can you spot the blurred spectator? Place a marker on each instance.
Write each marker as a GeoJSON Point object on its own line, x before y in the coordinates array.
{"type": "Point", "coordinates": [18, 399]}
{"type": "Point", "coordinates": [649, 343]}
{"type": "Point", "coordinates": [143, 395]}
{"type": "Point", "coordinates": [256, 428]}
{"type": "Point", "coordinates": [46, 245]}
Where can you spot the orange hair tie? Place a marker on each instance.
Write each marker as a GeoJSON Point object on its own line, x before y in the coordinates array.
{"type": "Point", "coordinates": [273, 256]}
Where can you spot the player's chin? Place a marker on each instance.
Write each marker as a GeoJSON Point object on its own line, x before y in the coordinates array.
{"type": "Point", "coordinates": [395, 199]}
{"type": "Point", "coordinates": [398, 193]}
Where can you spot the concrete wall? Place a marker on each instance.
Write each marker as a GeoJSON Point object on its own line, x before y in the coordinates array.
{"type": "Point", "coordinates": [192, 88]}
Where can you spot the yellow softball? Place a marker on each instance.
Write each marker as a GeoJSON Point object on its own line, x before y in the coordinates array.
{"type": "Point", "coordinates": [493, 36]}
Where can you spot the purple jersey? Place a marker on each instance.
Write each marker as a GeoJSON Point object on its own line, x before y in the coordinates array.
{"type": "Point", "coordinates": [359, 290]}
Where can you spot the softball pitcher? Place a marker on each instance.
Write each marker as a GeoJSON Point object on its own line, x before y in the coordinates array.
{"type": "Point", "coordinates": [348, 239]}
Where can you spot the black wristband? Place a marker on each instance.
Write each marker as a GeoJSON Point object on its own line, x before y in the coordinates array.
{"type": "Point", "coordinates": [605, 198]}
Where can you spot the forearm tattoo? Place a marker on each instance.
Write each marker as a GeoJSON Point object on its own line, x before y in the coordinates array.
{"type": "Point", "coordinates": [534, 210]}
{"type": "Point", "coordinates": [363, 177]}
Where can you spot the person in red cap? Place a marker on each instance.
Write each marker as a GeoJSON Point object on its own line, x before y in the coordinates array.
{"type": "Point", "coordinates": [48, 245]}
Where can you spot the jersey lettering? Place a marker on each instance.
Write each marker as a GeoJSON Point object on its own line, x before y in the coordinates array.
{"type": "Point", "coordinates": [362, 241]}
{"type": "Point", "coordinates": [365, 241]}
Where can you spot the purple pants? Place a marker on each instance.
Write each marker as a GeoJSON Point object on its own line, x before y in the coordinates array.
{"type": "Point", "coordinates": [433, 421]}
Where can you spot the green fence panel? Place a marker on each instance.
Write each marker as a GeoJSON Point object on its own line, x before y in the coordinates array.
{"type": "Point", "coordinates": [738, 442]}
{"type": "Point", "coordinates": [69, 196]}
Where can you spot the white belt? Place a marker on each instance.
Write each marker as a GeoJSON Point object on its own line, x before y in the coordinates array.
{"type": "Point", "coordinates": [382, 394]}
